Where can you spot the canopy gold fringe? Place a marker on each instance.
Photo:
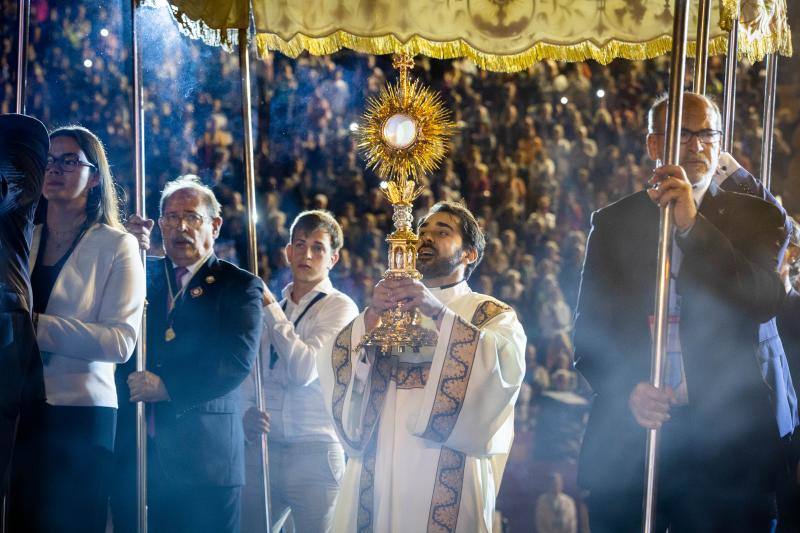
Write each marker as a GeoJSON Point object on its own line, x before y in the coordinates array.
{"type": "Point", "coordinates": [752, 50]}
{"type": "Point", "coordinates": [753, 45]}
{"type": "Point", "coordinates": [756, 49]}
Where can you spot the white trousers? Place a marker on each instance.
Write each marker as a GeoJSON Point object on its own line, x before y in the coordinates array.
{"type": "Point", "coordinates": [304, 476]}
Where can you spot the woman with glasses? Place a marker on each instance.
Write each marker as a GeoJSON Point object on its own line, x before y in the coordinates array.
{"type": "Point", "coordinates": [88, 292]}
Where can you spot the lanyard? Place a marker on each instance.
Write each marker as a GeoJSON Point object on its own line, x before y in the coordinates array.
{"type": "Point", "coordinates": [273, 355]}
{"type": "Point", "coordinates": [172, 297]}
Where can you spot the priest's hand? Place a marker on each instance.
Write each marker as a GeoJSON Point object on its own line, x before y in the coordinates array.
{"type": "Point", "coordinates": [412, 293]}
{"type": "Point", "coordinates": [649, 405]}
{"type": "Point", "coordinates": [670, 184]}
{"type": "Point", "coordinates": [255, 423]}
{"type": "Point", "coordinates": [147, 387]}
{"type": "Point", "coordinates": [140, 228]}
{"type": "Point", "coordinates": [381, 301]}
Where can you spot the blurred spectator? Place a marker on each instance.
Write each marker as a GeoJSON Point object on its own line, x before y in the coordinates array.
{"type": "Point", "coordinates": [555, 511]}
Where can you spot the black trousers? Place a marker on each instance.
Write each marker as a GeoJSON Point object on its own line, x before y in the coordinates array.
{"type": "Point", "coordinates": [21, 380]}
{"type": "Point", "coordinates": [172, 507]}
{"type": "Point", "coordinates": [690, 512]}
{"type": "Point", "coordinates": [695, 495]}
{"type": "Point", "coordinates": [124, 501]}
{"type": "Point", "coordinates": [61, 472]}
{"type": "Point", "coordinates": [175, 507]}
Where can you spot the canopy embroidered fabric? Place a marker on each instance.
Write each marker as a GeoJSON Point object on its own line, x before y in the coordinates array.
{"type": "Point", "coordinates": [500, 35]}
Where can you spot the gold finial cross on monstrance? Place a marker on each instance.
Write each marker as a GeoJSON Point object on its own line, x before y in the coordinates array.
{"type": "Point", "coordinates": [404, 63]}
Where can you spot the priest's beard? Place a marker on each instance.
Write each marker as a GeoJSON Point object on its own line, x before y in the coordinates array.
{"type": "Point", "coordinates": [439, 267]}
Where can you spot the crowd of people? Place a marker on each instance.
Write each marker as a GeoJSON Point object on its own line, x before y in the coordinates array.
{"type": "Point", "coordinates": [534, 153]}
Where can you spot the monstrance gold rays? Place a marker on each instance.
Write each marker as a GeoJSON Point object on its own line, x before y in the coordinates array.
{"type": "Point", "coordinates": [404, 130]}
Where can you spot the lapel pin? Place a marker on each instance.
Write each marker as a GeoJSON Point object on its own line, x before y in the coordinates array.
{"type": "Point", "coordinates": [210, 279]}
{"type": "Point", "coordinates": [197, 291]}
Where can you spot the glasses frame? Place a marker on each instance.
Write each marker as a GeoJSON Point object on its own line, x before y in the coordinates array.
{"type": "Point", "coordinates": [164, 220]}
{"type": "Point", "coordinates": [59, 162]}
{"type": "Point", "coordinates": [695, 134]}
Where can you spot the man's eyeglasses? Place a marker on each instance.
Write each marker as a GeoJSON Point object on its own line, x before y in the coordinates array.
{"type": "Point", "coordinates": [67, 163]}
{"type": "Point", "coordinates": [704, 136]}
{"type": "Point", "coordinates": [192, 219]}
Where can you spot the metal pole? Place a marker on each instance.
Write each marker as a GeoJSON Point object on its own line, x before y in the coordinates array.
{"type": "Point", "coordinates": [701, 46]}
{"type": "Point", "coordinates": [730, 85]}
{"type": "Point", "coordinates": [22, 53]}
{"type": "Point", "coordinates": [671, 157]}
{"type": "Point", "coordinates": [252, 248]}
{"type": "Point", "coordinates": [141, 347]}
{"type": "Point", "coordinates": [770, 84]}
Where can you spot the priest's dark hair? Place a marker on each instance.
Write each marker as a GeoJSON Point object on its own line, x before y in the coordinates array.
{"type": "Point", "coordinates": [471, 232]}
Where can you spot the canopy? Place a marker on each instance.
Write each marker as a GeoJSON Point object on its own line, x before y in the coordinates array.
{"type": "Point", "coordinates": [500, 35]}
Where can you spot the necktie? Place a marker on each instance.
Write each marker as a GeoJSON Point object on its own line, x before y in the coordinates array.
{"type": "Point", "coordinates": [180, 273]}
{"type": "Point", "coordinates": [175, 289]}
{"type": "Point", "coordinates": [674, 373]}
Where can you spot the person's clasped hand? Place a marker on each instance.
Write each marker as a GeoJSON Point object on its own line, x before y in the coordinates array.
{"type": "Point", "coordinates": [147, 387]}
{"type": "Point", "coordinates": [650, 406]}
{"type": "Point", "coordinates": [255, 423]}
{"type": "Point", "coordinates": [141, 229]}
{"type": "Point", "coordinates": [670, 184]}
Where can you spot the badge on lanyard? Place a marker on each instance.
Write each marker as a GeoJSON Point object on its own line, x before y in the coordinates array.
{"type": "Point", "coordinates": [169, 334]}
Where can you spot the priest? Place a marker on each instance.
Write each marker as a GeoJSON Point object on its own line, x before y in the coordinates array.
{"type": "Point", "coordinates": [428, 432]}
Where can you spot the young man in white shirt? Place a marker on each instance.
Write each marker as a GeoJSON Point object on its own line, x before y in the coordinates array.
{"type": "Point", "coordinates": [305, 456]}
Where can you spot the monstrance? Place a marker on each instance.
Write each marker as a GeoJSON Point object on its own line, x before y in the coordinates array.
{"type": "Point", "coordinates": [403, 135]}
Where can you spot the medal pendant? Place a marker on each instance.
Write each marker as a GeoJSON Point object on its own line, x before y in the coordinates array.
{"type": "Point", "coordinates": [169, 334]}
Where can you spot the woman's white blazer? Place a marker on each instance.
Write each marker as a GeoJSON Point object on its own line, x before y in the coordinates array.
{"type": "Point", "coordinates": [92, 318]}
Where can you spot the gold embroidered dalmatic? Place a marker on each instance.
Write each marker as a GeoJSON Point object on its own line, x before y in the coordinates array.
{"type": "Point", "coordinates": [427, 434]}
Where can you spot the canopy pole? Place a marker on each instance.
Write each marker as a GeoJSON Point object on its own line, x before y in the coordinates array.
{"type": "Point", "coordinates": [252, 248]}
{"type": "Point", "coordinates": [730, 85]}
{"type": "Point", "coordinates": [768, 129]}
{"type": "Point", "coordinates": [22, 53]}
{"type": "Point", "coordinates": [671, 157]}
{"type": "Point", "coordinates": [141, 346]}
{"type": "Point", "coordinates": [701, 46]}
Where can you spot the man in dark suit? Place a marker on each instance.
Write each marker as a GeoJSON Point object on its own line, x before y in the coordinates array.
{"type": "Point", "coordinates": [204, 325]}
{"type": "Point", "coordinates": [720, 446]}
{"type": "Point", "coordinates": [23, 156]}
